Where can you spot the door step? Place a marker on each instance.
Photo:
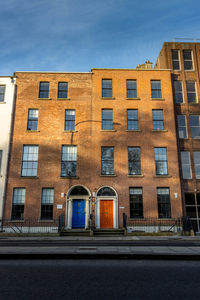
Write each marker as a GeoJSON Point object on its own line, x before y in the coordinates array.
{"type": "Point", "coordinates": [75, 232]}
{"type": "Point", "coordinates": [108, 232]}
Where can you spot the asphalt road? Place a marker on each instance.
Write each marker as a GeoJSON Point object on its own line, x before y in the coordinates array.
{"type": "Point", "coordinates": [84, 279]}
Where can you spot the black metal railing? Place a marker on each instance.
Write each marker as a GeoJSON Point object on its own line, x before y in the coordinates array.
{"type": "Point", "coordinates": [154, 225]}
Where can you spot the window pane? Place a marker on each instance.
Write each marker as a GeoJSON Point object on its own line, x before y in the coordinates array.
{"type": "Point", "coordinates": [156, 89]}
{"type": "Point", "coordinates": [191, 91]}
{"type": "Point", "coordinates": [132, 119]}
{"type": "Point", "coordinates": [62, 90]}
{"type": "Point", "coordinates": [157, 119]}
{"type": "Point", "coordinates": [107, 160]}
{"type": "Point", "coordinates": [182, 127]}
{"type": "Point", "coordinates": [32, 119]}
{"type": "Point", "coordinates": [195, 126]}
{"type": "Point", "coordinates": [161, 161]}
{"type": "Point", "coordinates": [178, 91]}
{"type": "Point", "coordinates": [164, 206]}
{"type": "Point", "coordinates": [2, 92]}
{"type": "Point", "coordinates": [136, 203]}
{"type": "Point", "coordinates": [187, 57]}
{"type": "Point", "coordinates": [69, 119]}
{"type": "Point", "coordinates": [29, 161]}
{"type": "Point", "coordinates": [69, 161]}
{"type": "Point", "coordinates": [107, 119]}
{"type": "Point", "coordinates": [134, 161]}
{"type": "Point", "coordinates": [107, 88]}
{"type": "Point", "coordinates": [131, 89]}
{"type": "Point", "coordinates": [197, 164]}
{"type": "Point", "coordinates": [186, 167]}
{"type": "Point", "coordinates": [44, 90]}
{"type": "Point", "coordinates": [175, 60]}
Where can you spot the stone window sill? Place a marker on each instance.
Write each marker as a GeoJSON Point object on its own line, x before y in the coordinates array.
{"type": "Point", "coordinates": [162, 176]}
{"type": "Point", "coordinates": [44, 98]}
{"type": "Point", "coordinates": [133, 98]}
{"type": "Point", "coordinates": [157, 99]}
{"type": "Point", "coordinates": [68, 177]}
{"type": "Point", "coordinates": [32, 131]}
{"type": "Point", "coordinates": [164, 130]}
{"type": "Point", "coordinates": [134, 130]}
{"type": "Point", "coordinates": [70, 131]}
{"type": "Point", "coordinates": [29, 177]}
{"type": "Point", "coordinates": [107, 98]}
{"type": "Point", "coordinates": [108, 130]}
{"type": "Point", "coordinates": [16, 221]}
{"type": "Point", "coordinates": [63, 99]}
{"type": "Point", "coordinates": [135, 176]}
{"type": "Point", "coordinates": [108, 175]}
{"type": "Point", "coordinates": [2, 102]}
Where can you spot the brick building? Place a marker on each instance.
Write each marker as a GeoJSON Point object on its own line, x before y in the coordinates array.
{"type": "Point", "coordinates": [101, 143]}
{"type": "Point", "coordinates": [184, 61]}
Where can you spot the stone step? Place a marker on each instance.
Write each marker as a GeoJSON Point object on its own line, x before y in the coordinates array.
{"type": "Point", "coordinates": [73, 232]}
{"type": "Point", "coordinates": [108, 232]}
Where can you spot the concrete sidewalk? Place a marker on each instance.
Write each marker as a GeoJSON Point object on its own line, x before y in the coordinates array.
{"type": "Point", "coordinates": [97, 251]}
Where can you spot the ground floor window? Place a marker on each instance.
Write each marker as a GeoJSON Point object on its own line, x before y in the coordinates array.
{"type": "Point", "coordinates": [47, 204]}
{"type": "Point", "coordinates": [136, 202]}
{"type": "Point", "coordinates": [164, 207]}
{"type": "Point", "coordinates": [192, 206]}
{"type": "Point", "coordinates": [18, 203]}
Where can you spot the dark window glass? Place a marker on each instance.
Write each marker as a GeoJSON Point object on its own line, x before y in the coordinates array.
{"type": "Point", "coordinates": [134, 161]}
{"type": "Point", "coordinates": [187, 58]}
{"type": "Point", "coordinates": [197, 164]}
{"type": "Point", "coordinates": [178, 91]}
{"type": "Point", "coordinates": [107, 119]}
{"type": "Point", "coordinates": [156, 89]}
{"type": "Point", "coordinates": [69, 161]}
{"type": "Point", "coordinates": [107, 88]}
{"type": "Point", "coordinates": [182, 127]}
{"type": "Point", "coordinates": [161, 161]}
{"type": "Point", "coordinates": [2, 92]}
{"type": "Point", "coordinates": [62, 89]}
{"type": "Point", "coordinates": [32, 119]}
{"type": "Point", "coordinates": [164, 207]}
{"type": "Point", "coordinates": [47, 204]}
{"type": "Point", "coordinates": [191, 91]}
{"type": "Point", "coordinates": [106, 191]}
{"type": "Point", "coordinates": [18, 203]}
{"type": "Point", "coordinates": [158, 123]}
{"type": "Point", "coordinates": [70, 119]}
{"type": "Point", "coordinates": [131, 89]}
{"type": "Point", "coordinates": [29, 161]}
{"type": "Point", "coordinates": [195, 126]}
{"type": "Point", "coordinates": [79, 191]}
{"type": "Point", "coordinates": [175, 60]}
{"type": "Point", "coordinates": [132, 119]}
{"type": "Point", "coordinates": [107, 160]}
{"type": "Point", "coordinates": [185, 163]}
{"type": "Point", "coordinates": [44, 90]}
{"type": "Point", "coordinates": [191, 211]}
{"type": "Point", "coordinates": [136, 203]}
{"type": "Point", "coordinates": [189, 199]}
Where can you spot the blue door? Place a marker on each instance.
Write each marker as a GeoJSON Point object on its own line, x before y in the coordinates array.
{"type": "Point", "coordinates": [78, 214]}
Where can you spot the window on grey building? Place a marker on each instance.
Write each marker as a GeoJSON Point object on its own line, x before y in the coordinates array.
{"type": "Point", "coordinates": [195, 126]}
{"type": "Point", "coordinates": [29, 160]}
{"type": "Point", "coordinates": [18, 203]}
{"type": "Point", "coordinates": [191, 92]}
{"type": "Point", "coordinates": [131, 89]}
{"type": "Point", "coordinates": [182, 127]}
{"type": "Point", "coordinates": [32, 119]}
{"type": "Point", "coordinates": [187, 58]}
{"type": "Point", "coordinates": [136, 202]}
{"type": "Point", "coordinates": [69, 161]}
{"type": "Point", "coordinates": [161, 161]}
{"type": "Point", "coordinates": [107, 119]}
{"type": "Point", "coordinates": [178, 91]}
{"type": "Point", "coordinates": [132, 119]}
{"type": "Point", "coordinates": [2, 92]}
{"type": "Point", "coordinates": [70, 119]}
{"type": "Point", "coordinates": [107, 88]}
{"type": "Point", "coordinates": [158, 123]}
{"type": "Point", "coordinates": [164, 206]}
{"type": "Point", "coordinates": [47, 204]}
{"type": "Point", "coordinates": [156, 89]}
{"type": "Point", "coordinates": [44, 89]}
{"type": "Point", "coordinates": [62, 90]}
{"type": "Point", "coordinates": [134, 161]}
{"type": "Point", "coordinates": [107, 160]}
{"type": "Point", "coordinates": [1, 154]}
{"type": "Point", "coordinates": [186, 165]}
{"type": "Point", "coordinates": [197, 164]}
{"type": "Point", "coordinates": [175, 60]}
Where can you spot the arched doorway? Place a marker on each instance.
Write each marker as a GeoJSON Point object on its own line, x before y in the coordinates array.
{"type": "Point", "coordinates": [78, 207]}
{"type": "Point", "coordinates": [106, 208]}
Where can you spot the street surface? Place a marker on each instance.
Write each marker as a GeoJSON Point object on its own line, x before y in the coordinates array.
{"type": "Point", "coordinates": [99, 279]}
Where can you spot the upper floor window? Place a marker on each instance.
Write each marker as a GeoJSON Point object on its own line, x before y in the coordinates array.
{"type": "Point", "coordinates": [164, 206]}
{"type": "Point", "coordinates": [32, 119]}
{"type": "Point", "coordinates": [70, 119]}
{"type": "Point", "coordinates": [175, 60]}
{"type": "Point", "coordinates": [18, 201]}
{"type": "Point", "coordinates": [1, 154]}
{"type": "Point", "coordinates": [107, 160]}
{"type": "Point", "coordinates": [47, 204]}
{"type": "Point", "coordinates": [178, 91]}
{"type": "Point", "coordinates": [134, 161]}
{"type": "Point", "coordinates": [107, 88]}
{"type": "Point", "coordinates": [29, 160]}
{"type": "Point", "coordinates": [187, 59]}
{"type": "Point", "coordinates": [2, 92]}
{"type": "Point", "coordinates": [131, 89]}
{"type": "Point", "coordinates": [107, 119]}
{"type": "Point", "coordinates": [195, 126]}
{"type": "Point", "coordinates": [69, 161]}
{"type": "Point", "coordinates": [156, 89]}
{"type": "Point", "coordinates": [132, 119]}
{"type": "Point", "coordinates": [44, 89]}
{"type": "Point", "coordinates": [136, 202]}
{"type": "Point", "coordinates": [161, 161]}
{"type": "Point", "coordinates": [182, 127]}
{"type": "Point", "coordinates": [62, 89]}
{"type": "Point", "coordinates": [186, 165]}
{"type": "Point", "coordinates": [191, 91]}
{"type": "Point", "coordinates": [158, 123]}
{"type": "Point", "coordinates": [197, 164]}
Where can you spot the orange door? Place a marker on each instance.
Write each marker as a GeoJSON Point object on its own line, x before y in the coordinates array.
{"type": "Point", "coordinates": [106, 214]}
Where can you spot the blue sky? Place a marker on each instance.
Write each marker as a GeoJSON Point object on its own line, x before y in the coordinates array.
{"type": "Point", "coordinates": [77, 35]}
